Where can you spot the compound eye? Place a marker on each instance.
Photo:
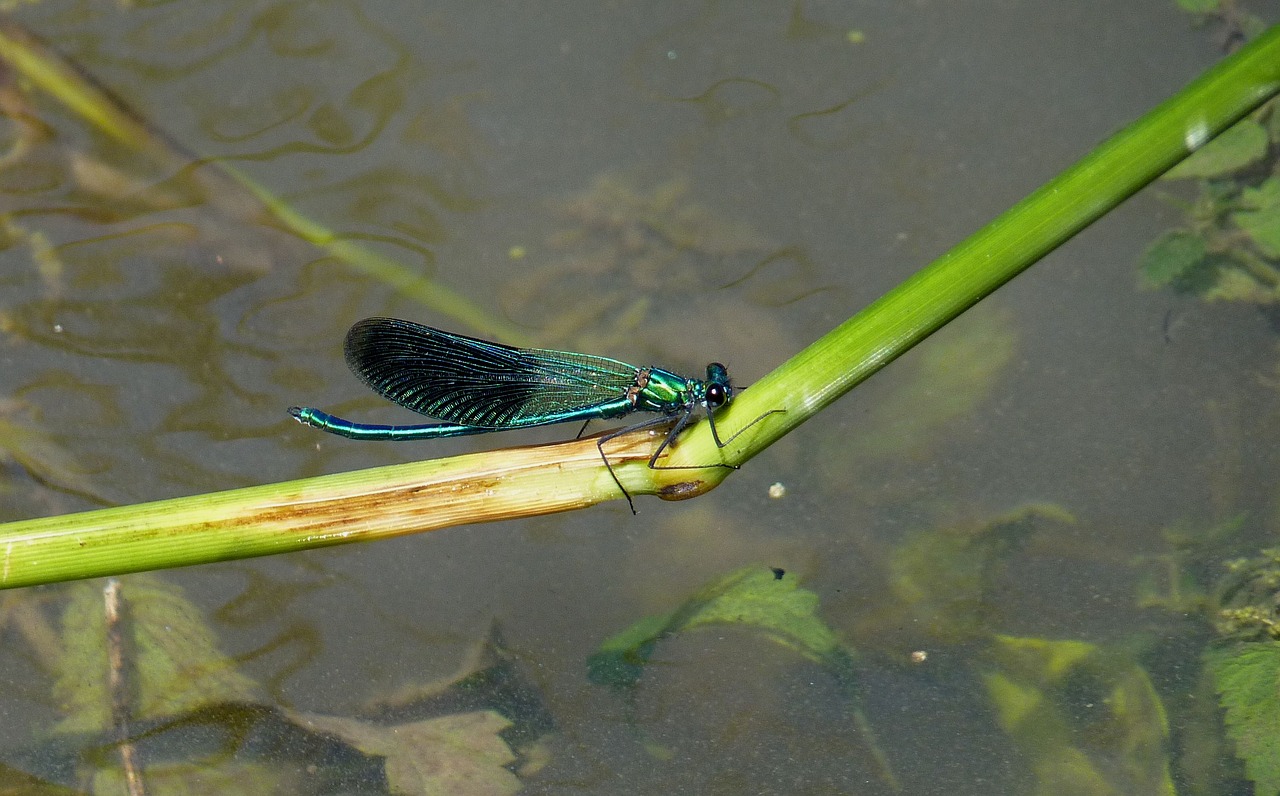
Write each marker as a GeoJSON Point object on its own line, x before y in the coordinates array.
{"type": "Point", "coordinates": [717, 396]}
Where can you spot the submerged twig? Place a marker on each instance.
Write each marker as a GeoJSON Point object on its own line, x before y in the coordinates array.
{"type": "Point", "coordinates": [118, 685]}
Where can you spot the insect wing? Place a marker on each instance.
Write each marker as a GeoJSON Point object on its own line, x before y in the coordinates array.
{"type": "Point", "coordinates": [473, 382]}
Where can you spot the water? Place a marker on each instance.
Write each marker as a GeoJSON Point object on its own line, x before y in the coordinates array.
{"type": "Point", "coordinates": [672, 184]}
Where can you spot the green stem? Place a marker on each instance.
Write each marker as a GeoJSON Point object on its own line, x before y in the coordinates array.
{"type": "Point", "coordinates": [524, 481]}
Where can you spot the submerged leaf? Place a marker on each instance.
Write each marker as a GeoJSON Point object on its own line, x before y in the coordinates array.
{"type": "Point", "coordinates": [38, 452]}
{"type": "Point", "coordinates": [230, 749]}
{"type": "Point", "coordinates": [1089, 721]}
{"type": "Point", "coordinates": [1247, 608]}
{"type": "Point", "coordinates": [943, 382]}
{"type": "Point", "coordinates": [174, 665]}
{"type": "Point", "coordinates": [1172, 256]}
{"type": "Point", "coordinates": [1233, 284]}
{"type": "Point", "coordinates": [946, 577]}
{"type": "Point", "coordinates": [1261, 221]}
{"type": "Point", "coordinates": [667, 242]}
{"type": "Point", "coordinates": [14, 781]}
{"type": "Point", "coordinates": [754, 598]}
{"type": "Point", "coordinates": [460, 754]}
{"type": "Point", "coordinates": [1239, 146]}
{"type": "Point", "coordinates": [774, 606]}
{"type": "Point", "coordinates": [225, 778]}
{"type": "Point", "coordinates": [621, 658]}
{"type": "Point", "coordinates": [1247, 677]}
{"type": "Point", "coordinates": [1265, 196]}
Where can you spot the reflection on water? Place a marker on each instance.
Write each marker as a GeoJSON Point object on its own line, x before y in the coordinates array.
{"type": "Point", "coordinates": [638, 252]}
{"type": "Point", "coordinates": [662, 184]}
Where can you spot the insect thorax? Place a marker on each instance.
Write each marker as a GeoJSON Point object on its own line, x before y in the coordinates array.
{"type": "Point", "coordinates": [658, 390]}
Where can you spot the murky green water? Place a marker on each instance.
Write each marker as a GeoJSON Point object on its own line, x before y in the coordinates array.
{"type": "Point", "coordinates": [668, 183]}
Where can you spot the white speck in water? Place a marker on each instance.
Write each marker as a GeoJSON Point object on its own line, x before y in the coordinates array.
{"type": "Point", "coordinates": [671, 55]}
{"type": "Point", "coordinates": [57, 328]}
{"type": "Point", "coordinates": [777, 491]}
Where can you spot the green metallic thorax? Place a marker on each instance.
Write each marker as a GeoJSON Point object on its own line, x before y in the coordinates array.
{"type": "Point", "coordinates": [661, 391]}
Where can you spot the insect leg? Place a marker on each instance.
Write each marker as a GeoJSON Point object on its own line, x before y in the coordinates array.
{"type": "Point", "coordinates": [716, 435]}
{"type": "Point", "coordinates": [657, 421]}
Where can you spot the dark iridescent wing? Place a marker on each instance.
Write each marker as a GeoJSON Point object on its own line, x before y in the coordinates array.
{"type": "Point", "coordinates": [472, 382]}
